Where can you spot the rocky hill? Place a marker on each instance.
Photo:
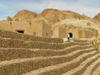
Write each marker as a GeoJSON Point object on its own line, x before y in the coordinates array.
{"type": "Point", "coordinates": [54, 15]}
{"type": "Point", "coordinates": [61, 15]}
{"type": "Point", "coordinates": [25, 14]}
{"type": "Point", "coordinates": [50, 16]}
{"type": "Point", "coordinates": [87, 18]}
{"type": "Point", "coordinates": [97, 18]}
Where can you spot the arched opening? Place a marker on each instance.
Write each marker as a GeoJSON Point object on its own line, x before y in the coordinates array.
{"type": "Point", "coordinates": [71, 35]}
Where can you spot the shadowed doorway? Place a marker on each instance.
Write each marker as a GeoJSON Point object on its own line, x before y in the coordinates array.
{"type": "Point", "coordinates": [71, 35]}
{"type": "Point", "coordinates": [20, 31]}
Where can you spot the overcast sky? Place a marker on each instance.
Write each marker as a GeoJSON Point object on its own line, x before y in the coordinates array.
{"type": "Point", "coordinates": [11, 7]}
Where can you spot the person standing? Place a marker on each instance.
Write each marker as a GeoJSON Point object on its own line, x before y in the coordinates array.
{"type": "Point", "coordinates": [68, 36]}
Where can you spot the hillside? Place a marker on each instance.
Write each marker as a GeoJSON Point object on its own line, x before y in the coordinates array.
{"type": "Point", "coordinates": [25, 14]}
{"type": "Point", "coordinates": [97, 18]}
{"type": "Point", "coordinates": [61, 15]}
{"type": "Point", "coordinates": [50, 16]}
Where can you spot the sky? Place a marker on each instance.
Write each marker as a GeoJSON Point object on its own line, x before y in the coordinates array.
{"type": "Point", "coordinates": [10, 7]}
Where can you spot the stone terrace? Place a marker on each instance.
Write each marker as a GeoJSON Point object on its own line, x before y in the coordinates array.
{"type": "Point", "coordinates": [22, 54]}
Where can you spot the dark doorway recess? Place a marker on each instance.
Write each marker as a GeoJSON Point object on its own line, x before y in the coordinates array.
{"type": "Point", "coordinates": [71, 35]}
{"type": "Point", "coordinates": [21, 31]}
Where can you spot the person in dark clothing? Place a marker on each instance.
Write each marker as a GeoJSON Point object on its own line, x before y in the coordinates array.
{"type": "Point", "coordinates": [68, 36]}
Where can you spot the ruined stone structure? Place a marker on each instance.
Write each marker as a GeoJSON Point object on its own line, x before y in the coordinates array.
{"type": "Point", "coordinates": [28, 22]}
{"type": "Point", "coordinates": [76, 32]}
{"type": "Point", "coordinates": [59, 32]}
{"type": "Point", "coordinates": [45, 30]}
{"type": "Point", "coordinates": [77, 29]}
{"type": "Point", "coordinates": [32, 28]}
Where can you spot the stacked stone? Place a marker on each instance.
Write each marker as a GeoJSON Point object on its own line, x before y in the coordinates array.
{"type": "Point", "coordinates": [15, 35]}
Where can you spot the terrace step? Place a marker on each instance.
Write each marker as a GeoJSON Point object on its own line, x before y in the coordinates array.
{"type": "Point", "coordinates": [15, 35]}
{"type": "Point", "coordinates": [80, 40]}
{"type": "Point", "coordinates": [15, 43]}
{"type": "Point", "coordinates": [20, 66]}
{"type": "Point", "coordinates": [86, 65]}
{"type": "Point", "coordinates": [97, 71]}
{"type": "Point", "coordinates": [58, 69]}
{"type": "Point", "coordinates": [92, 67]}
{"type": "Point", "coordinates": [15, 53]}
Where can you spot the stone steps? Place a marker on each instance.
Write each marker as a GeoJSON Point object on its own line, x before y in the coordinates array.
{"type": "Point", "coordinates": [15, 35]}
{"type": "Point", "coordinates": [63, 67]}
{"type": "Point", "coordinates": [22, 54]}
{"type": "Point", "coordinates": [83, 66]}
{"type": "Point", "coordinates": [20, 66]}
{"type": "Point", "coordinates": [97, 71]}
{"type": "Point", "coordinates": [77, 40]}
{"type": "Point", "coordinates": [92, 67]}
{"type": "Point", "coordinates": [16, 43]}
{"type": "Point", "coordinates": [15, 53]}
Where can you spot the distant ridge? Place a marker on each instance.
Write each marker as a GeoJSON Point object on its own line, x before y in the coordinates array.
{"type": "Point", "coordinates": [51, 16]}
{"type": "Point", "coordinates": [97, 17]}
{"type": "Point", "coordinates": [25, 14]}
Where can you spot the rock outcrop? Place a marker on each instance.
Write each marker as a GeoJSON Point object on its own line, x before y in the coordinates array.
{"type": "Point", "coordinates": [87, 18]}
{"type": "Point", "coordinates": [16, 19]}
{"type": "Point", "coordinates": [25, 14]}
{"type": "Point", "coordinates": [9, 18]}
{"type": "Point", "coordinates": [54, 15]}
{"type": "Point", "coordinates": [97, 18]}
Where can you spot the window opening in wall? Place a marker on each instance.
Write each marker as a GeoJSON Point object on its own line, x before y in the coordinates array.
{"type": "Point", "coordinates": [46, 34]}
{"type": "Point", "coordinates": [34, 33]}
{"type": "Point", "coordinates": [20, 31]}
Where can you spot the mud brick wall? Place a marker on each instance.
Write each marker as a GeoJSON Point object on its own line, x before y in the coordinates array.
{"type": "Point", "coordinates": [89, 34]}
{"type": "Point", "coordinates": [15, 35]}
